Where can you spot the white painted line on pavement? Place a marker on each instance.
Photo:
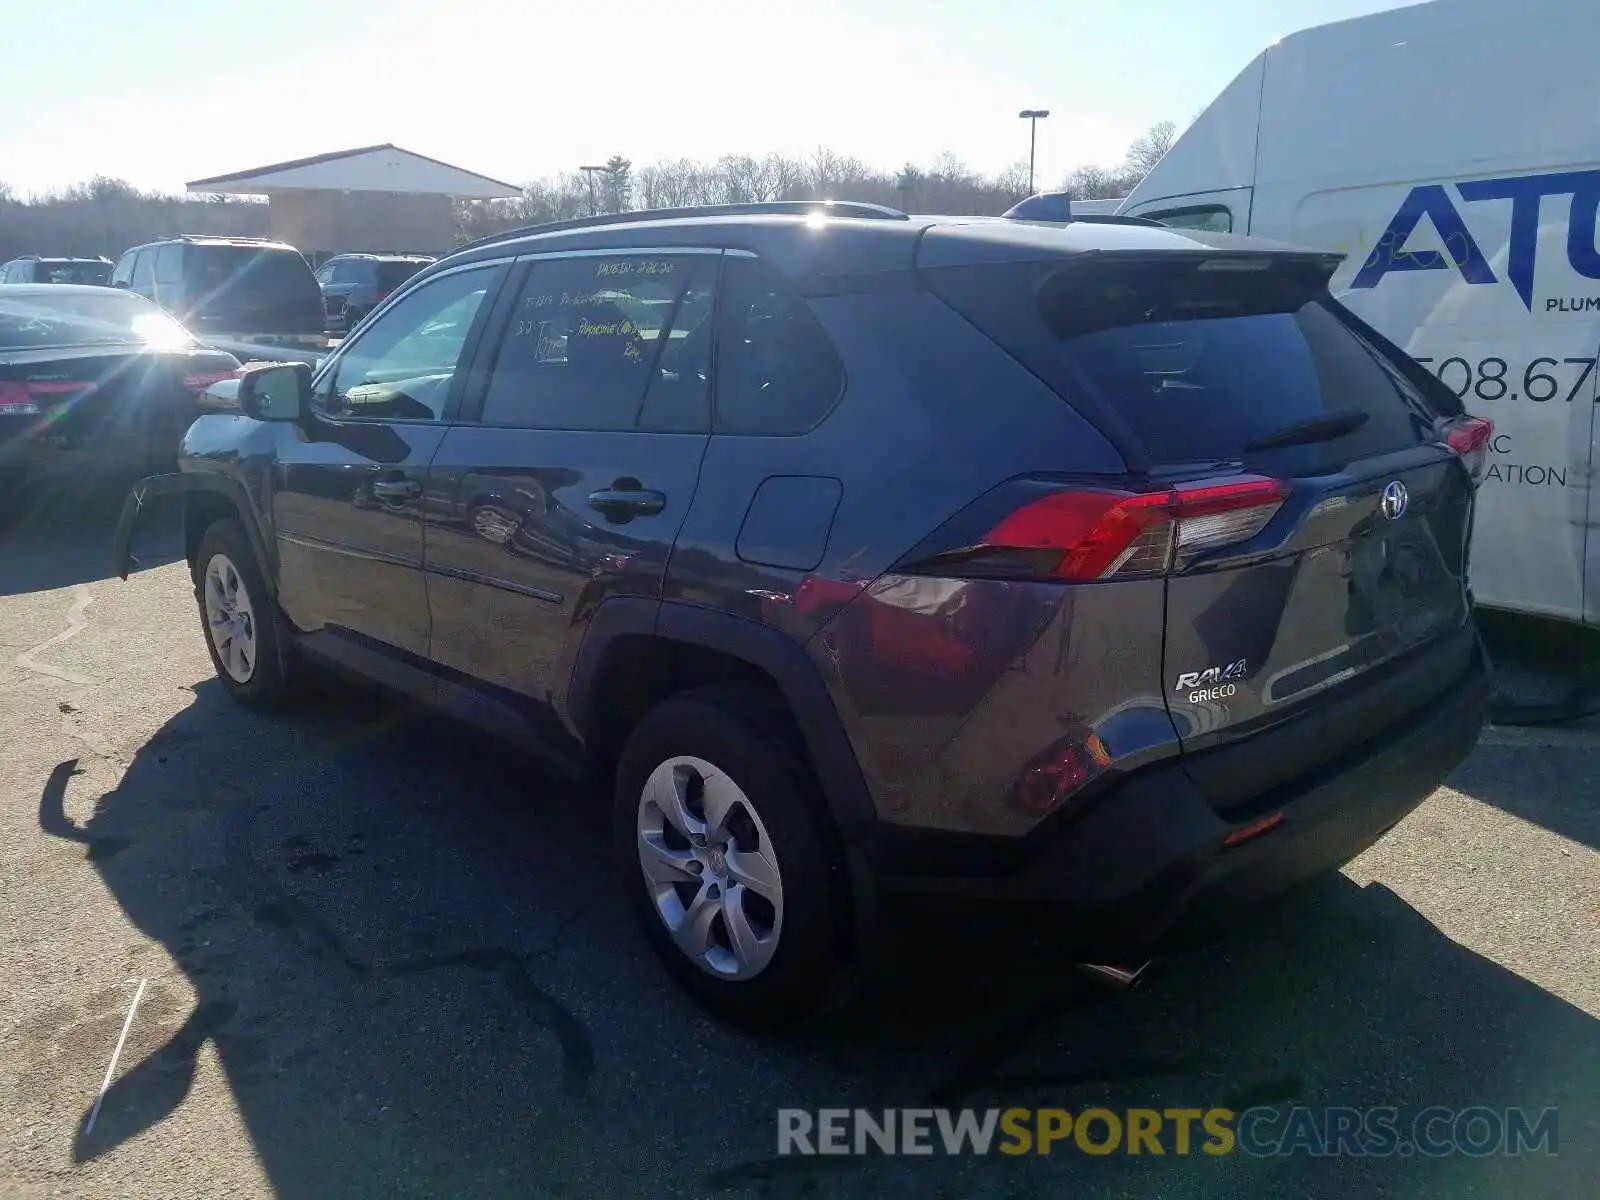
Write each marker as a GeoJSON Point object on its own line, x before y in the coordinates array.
{"type": "Point", "coordinates": [111, 1067]}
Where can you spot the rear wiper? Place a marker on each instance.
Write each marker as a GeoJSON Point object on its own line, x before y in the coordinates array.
{"type": "Point", "coordinates": [1325, 428]}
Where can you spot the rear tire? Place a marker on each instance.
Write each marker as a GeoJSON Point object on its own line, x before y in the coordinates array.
{"type": "Point", "coordinates": [718, 834]}
{"type": "Point", "coordinates": [243, 632]}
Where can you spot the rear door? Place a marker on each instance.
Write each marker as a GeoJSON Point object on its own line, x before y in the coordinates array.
{"type": "Point", "coordinates": [248, 289]}
{"type": "Point", "coordinates": [1289, 480]}
{"type": "Point", "coordinates": [1353, 553]}
{"type": "Point", "coordinates": [573, 467]}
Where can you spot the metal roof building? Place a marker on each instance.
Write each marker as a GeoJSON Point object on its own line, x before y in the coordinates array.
{"type": "Point", "coordinates": [371, 198]}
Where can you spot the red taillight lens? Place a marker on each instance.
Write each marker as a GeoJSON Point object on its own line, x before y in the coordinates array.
{"type": "Point", "coordinates": [1470, 437]}
{"type": "Point", "coordinates": [201, 380]}
{"type": "Point", "coordinates": [21, 398]}
{"type": "Point", "coordinates": [15, 401]}
{"type": "Point", "coordinates": [1085, 535]}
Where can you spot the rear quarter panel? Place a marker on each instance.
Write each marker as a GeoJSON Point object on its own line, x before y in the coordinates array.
{"type": "Point", "coordinates": [934, 415]}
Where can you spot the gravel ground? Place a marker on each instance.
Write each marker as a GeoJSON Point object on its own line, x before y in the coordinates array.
{"type": "Point", "coordinates": [384, 959]}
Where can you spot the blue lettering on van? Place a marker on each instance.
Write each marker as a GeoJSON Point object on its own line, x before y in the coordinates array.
{"type": "Point", "coordinates": [1526, 193]}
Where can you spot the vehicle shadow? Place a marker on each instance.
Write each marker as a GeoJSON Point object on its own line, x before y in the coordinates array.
{"type": "Point", "coordinates": [410, 959]}
{"type": "Point", "coordinates": [54, 540]}
{"type": "Point", "coordinates": [1547, 779]}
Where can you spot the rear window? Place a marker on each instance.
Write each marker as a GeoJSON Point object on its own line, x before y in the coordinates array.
{"type": "Point", "coordinates": [49, 271]}
{"type": "Point", "coordinates": [221, 271]}
{"type": "Point", "coordinates": [392, 274]}
{"type": "Point", "coordinates": [50, 320]}
{"type": "Point", "coordinates": [1198, 363]}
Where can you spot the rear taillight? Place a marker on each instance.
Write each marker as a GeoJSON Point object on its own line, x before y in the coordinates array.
{"type": "Point", "coordinates": [200, 380]}
{"type": "Point", "coordinates": [21, 398]}
{"type": "Point", "coordinates": [1470, 437]}
{"type": "Point", "coordinates": [1085, 535]}
{"type": "Point", "coordinates": [15, 401]}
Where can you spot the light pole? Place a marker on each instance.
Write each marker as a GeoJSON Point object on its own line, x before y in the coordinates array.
{"type": "Point", "coordinates": [590, 172]}
{"type": "Point", "coordinates": [1032, 116]}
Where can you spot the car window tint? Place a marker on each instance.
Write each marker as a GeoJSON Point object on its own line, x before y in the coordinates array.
{"type": "Point", "coordinates": [124, 269]}
{"type": "Point", "coordinates": [612, 343]}
{"type": "Point", "coordinates": [777, 372]}
{"type": "Point", "coordinates": [399, 367]}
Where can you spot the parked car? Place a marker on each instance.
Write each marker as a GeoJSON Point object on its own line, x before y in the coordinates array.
{"type": "Point", "coordinates": [1467, 226]}
{"type": "Point", "coordinates": [354, 284]}
{"type": "Point", "coordinates": [229, 289]}
{"type": "Point", "coordinates": [1098, 565]}
{"type": "Point", "coordinates": [94, 385]}
{"type": "Point", "coordinates": [31, 268]}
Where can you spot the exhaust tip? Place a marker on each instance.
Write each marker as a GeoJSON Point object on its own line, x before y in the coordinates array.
{"type": "Point", "coordinates": [1118, 977]}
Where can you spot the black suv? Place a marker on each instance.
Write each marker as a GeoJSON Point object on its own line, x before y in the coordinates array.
{"type": "Point", "coordinates": [1113, 567]}
{"type": "Point", "coordinates": [31, 268]}
{"type": "Point", "coordinates": [229, 289]}
{"type": "Point", "coordinates": [354, 284]}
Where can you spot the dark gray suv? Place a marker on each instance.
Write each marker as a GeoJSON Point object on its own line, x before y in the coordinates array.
{"type": "Point", "coordinates": [1107, 567]}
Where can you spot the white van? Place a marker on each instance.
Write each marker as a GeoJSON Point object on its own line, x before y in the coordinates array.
{"type": "Point", "coordinates": [1451, 151]}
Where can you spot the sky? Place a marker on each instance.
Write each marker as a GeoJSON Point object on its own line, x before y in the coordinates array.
{"type": "Point", "coordinates": [521, 89]}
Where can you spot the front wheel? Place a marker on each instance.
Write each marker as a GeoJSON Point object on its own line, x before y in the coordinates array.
{"type": "Point", "coordinates": [720, 840]}
{"type": "Point", "coordinates": [236, 612]}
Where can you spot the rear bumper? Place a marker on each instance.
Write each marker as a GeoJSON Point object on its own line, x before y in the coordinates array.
{"type": "Point", "coordinates": [1149, 863]}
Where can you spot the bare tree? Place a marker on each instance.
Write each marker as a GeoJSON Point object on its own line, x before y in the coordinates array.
{"type": "Point", "coordinates": [1150, 146]}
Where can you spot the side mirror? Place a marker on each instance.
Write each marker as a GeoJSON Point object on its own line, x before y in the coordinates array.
{"type": "Point", "coordinates": [120, 283]}
{"type": "Point", "coordinates": [275, 391]}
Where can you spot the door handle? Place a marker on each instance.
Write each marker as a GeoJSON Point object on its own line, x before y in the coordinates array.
{"type": "Point", "coordinates": [621, 504]}
{"type": "Point", "coordinates": [396, 489]}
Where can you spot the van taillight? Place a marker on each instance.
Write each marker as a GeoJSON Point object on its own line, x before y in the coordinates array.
{"type": "Point", "coordinates": [1085, 535]}
{"type": "Point", "coordinates": [1470, 437]}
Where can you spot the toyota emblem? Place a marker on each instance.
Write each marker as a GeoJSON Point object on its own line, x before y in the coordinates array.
{"type": "Point", "coordinates": [1395, 499]}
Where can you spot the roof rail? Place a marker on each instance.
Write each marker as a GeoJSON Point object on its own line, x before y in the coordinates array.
{"type": "Point", "coordinates": [791, 208]}
{"type": "Point", "coordinates": [220, 237]}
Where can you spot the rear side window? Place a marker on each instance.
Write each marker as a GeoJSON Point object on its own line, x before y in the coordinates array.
{"type": "Point", "coordinates": [391, 275]}
{"type": "Point", "coordinates": [1199, 364]}
{"type": "Point", "coordinates": [607, 343]}
{"type": "Point", "coordinates": [777, 372]}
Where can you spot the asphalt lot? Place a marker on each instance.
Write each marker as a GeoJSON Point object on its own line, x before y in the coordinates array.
{"type": "Point", "coordinates": [385, 960]}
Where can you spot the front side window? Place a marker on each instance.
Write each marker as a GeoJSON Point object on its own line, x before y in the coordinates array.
{"type": "Point", "coordinates": [1209, 218]}
{"type": "Point", "coordinates": [124, 270]}
{"type": "Point", "coordinates": [777, 372]}
{"type": "Point", "coordinates": [400, 367]}
{"type": "Point", "coordinates": [607, 343]}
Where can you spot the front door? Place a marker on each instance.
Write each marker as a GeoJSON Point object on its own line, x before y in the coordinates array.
{"type": "Point", "coordinates": [348, 499]}
{"type": "Point", "coordinates": [570, 473]}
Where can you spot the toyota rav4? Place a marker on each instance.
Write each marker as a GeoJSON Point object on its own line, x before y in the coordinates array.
{"type": "Point", "coordinates": [1107, 567]}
